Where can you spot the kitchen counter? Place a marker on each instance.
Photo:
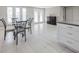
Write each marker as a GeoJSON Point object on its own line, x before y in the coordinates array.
{"type": "Point", "coordinates": [69, 23]}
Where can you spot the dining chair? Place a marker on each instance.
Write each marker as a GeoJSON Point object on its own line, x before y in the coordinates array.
{"type": "Point", "coordinates": [20, 27]}
{"type": "Point", "coordinates": [6, 28]}
{"type": "Point", "coordinates": [14, 19]}
{"type": "Point", "coordinates": [29, 24]}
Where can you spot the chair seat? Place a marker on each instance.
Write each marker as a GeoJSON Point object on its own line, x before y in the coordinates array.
{"type": "Point", "coordinates": [28, 26]}
{"type": "Point", "coordinates": [10, 28]}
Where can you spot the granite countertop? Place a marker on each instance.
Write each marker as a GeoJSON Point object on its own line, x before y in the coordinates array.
{"type": "Point", "coordinates": [69, 23]}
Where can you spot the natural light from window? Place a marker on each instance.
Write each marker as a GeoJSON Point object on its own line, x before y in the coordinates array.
{"type": "Point", "coordinates": [17, 13]}
{"type": "Point", "coordinates": [23, 14]}
{"type": "Point", "coordinates": [9, 14]}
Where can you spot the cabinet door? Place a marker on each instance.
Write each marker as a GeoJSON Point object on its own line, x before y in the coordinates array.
{"type": "Point", "coordinates": [76, 14]}
{"type": "Point", "coordinates": [70, 43]}
{"type": "Point", "coordinates": [69, 14]}
{"type": "Point", "coordinates": [68, 36]}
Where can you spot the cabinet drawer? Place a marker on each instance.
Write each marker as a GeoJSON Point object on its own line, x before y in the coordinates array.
{"type": "Point", "coordinates": [70, 43]}
{"type": "Point", "coordinates": [71, 34]}
{"type": "Point", "coordinates": [69, 27]}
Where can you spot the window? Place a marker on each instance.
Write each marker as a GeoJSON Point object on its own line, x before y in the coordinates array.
{"type": "Point", "coordinates": [36, 16]}
{"type": "Point", "coordinates": [41, 16]}
{"type": "Point", "coordinates": [23, 13]}
{"type": "Point", "coordinates": [18, 14]}
{"type": "Point", "coordinates": [9, 14]}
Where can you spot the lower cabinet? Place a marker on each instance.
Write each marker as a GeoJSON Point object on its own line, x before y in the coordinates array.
{"type": "Point", "coordinates": [69, 36]}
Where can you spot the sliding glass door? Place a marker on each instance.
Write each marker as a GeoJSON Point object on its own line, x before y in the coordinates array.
{"type": "Point", "coordinates": [9, 14]}
{"type": "Point", "coordinates": [41, 15]}
{"type": "Point", "coordinates": [38, 15]}
{"type": "Point", "coordinates": [23, 14]}
{"type": "Point", "coordinates": [17, 13]}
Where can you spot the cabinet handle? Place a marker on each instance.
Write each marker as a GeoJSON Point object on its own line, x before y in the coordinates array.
{"type": "Point", "coordinates": [65, 28]}
{"type": "Point", "coordinates": [69, 42]}
{"type": "Point", "coordinates": [70, 33]}
{"type": "Point", "coordinates": [69, 27]}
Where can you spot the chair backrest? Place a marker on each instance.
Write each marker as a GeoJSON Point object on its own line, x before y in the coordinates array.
{"type": "Point", "coordinates": [14, 20]}
{"type": "Point", "coordinates": [21, 24]}
{"type": "Point", "coordinates": [30, 21]}
{"type": "Point", "coordinates": [4, 23]}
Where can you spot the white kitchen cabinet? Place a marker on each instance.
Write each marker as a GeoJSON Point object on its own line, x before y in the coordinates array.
{"type": "Point", "coordinates": [72, 14]}
{"type": "Point", "coordinates": [68, 35]}
{"type": "Point", "coordinates": [69, 14]}
{"type": "Point", "coordinates": [76, 14]}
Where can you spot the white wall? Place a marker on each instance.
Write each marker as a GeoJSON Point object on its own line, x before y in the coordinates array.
{"type": "Point", "coordinates": [54, 11]}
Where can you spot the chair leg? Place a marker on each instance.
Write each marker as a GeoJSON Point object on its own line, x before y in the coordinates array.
{"type": "Point", "coordinates": [5, 35]}
{"type": "Point", "coordinates": [16, 39]}
{"type": "Point", "coordinates": [25, 35]}
{"type": "Point", "coordinates": [22, 34]}
{"type": "Point", "coordinates": [14, 35]}
{"type": "Point", "coordinates": [30, 30]}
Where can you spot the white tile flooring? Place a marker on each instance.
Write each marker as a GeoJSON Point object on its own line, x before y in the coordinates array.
{"type": "Point", "coordinates": [43, 39]}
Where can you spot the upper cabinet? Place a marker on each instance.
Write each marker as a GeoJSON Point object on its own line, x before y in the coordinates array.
{"type": "Point", "coordinates": [72, 14]}
{"type": "Point", "coordinates": [69, 14]}
{"type": "Point", "coordinates": [76, 14]}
